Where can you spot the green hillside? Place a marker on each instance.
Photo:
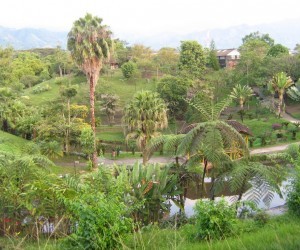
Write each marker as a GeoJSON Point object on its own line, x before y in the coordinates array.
{"type": "Point", "coordinates": [111, 83]}
{"type": "Point", "coordinates": [11, 143]}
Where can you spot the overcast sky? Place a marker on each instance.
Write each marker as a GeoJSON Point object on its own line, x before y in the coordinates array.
{"type": "Point", "coordinates": [146, 17]}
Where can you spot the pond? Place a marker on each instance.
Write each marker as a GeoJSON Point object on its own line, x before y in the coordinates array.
{"type": "Point", "coordinates": [192, 195]}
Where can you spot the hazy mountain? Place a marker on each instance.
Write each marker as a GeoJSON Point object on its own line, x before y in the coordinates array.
{"type": "Point", "coordinates": [285, 32]}
{"type": "Point", "coordinates": [28, 38]}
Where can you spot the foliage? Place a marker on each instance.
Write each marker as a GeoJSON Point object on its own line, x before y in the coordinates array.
{"type": "Point", "coordinates": [129, 69]}
{"type": "Point", "coordinates": [39, 89]}
{"type": "Point", "coordinates": [261, 218]}
{"type": "Point", "coordinates": [293, 150]}
{"type": "Point", "coordinates": [51, 149]}
{"type": "Point", "coordinates": [109, 104]}
{"type": "Point", "coordinates": [241, 93]}
{"type": "Point", "coordinates": [214, 220]}
{"type": "Point", "coordinates": [213, 61]}
{"type": "Point", "coordinates": [150, 187]}
{"type": "Point", "coordinates": [87, 141]}
{"type": "Point", "coordinates": [144, 115]}
{"type": "Point", "coordinates": [101, 222]}
{"type": "Point", "coordinates": [258, 36]}
{"type": "Point", "coordinates": [167, 60]}
{"type": "Point", "coordinates": [278, 50]}
{"type": "Point", "coordinates": [173, 90]}
{"type": "Point", "coordinates": [252, 62]}
{"type": "Point", "coordinates": [191, 60]}
{"type": "Point", "coordinates": [293, 199]}
{"type": "Point", "coordinates": [280, 83]}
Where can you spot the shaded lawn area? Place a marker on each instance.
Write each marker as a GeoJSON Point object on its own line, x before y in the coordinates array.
{"type": "Point", "coordinates": [11, 143]}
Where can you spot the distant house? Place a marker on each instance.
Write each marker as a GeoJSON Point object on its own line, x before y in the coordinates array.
{"type": "Point", "coordinates": [228, 58]}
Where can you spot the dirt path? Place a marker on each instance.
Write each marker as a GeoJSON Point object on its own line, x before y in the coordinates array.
{"type": "Point", "coordinates": [163, 159]}
{"type": "Point", "coordinates": [289, 118]}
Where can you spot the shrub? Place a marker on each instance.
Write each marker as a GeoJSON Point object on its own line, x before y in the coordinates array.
{"type": "Point", "coordinates": [293, 150]}
{"type": "Point", "coordinates": [261, 218]}
{"type": "Point", "coordinates": [214, 220]}
{"type": "Point", "coordinates": [39, 89]}
{"type": "Point", "coordinates": [61, 80]}
{"type": "Point", "coordinates": [129, 69]}
{"type": "Point", "coordinates": [293, 199]}
{"type": "Point", "coordinates": [100, 222]}
{"type": "Point", "coordinates": [276, 126]}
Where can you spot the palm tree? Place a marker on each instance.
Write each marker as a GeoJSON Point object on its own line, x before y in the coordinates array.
{"type": "Point", "coordinates": [89, 43]}
{"type": "Point", "coordinates": [241, 93]}
{"type": "Point", "coordinates": [144, 115]}
{"type": "Point", "coordinates": [280, 83]}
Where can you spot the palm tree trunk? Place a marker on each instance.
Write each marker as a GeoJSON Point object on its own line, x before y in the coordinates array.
{"type": "Point", "coordinates": [67, 139]}
{"type": "Point", "coordinates": [92, 82]}
{"type": "Point", "coordinates": [241, 104]}
{"type": "Point", "coordinates": [203, 176]}
{"type": "Point", "coordinates": [280, 104]}
{"type": "Point", "coordinates": [212, 189]}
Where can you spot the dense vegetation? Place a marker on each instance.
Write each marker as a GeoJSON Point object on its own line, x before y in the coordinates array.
{"type": "Point", "coordinates": [179, 103]}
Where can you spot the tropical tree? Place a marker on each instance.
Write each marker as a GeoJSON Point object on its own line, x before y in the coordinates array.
{"type": "Point", "coordinates": [144, 115]}
{"type": "Point", "coordinates": [213, 61]}
{"type": "Point", "coordinates": [129, 69]}
{"type": "Point", "coordinates": [191, 60]}
{"type": "Point", "coordinates": [109, 104]}
{"type": "Point", "coordinates": [173, 89]}
{"type": "Point", "coordinates": [90, 43]}
{"type": "Point", "coordinates": [278, 50]}
{"type": "Point", "coordinates": [259, 36]}
{"type": "Point", "coordinates": [241, 93]}
{"type": "Point", "coordinates": [167, 60]}
{"type": "Point", "coordinates": [280, 83]}
{"type": "Point", "coordinates": [212, 141]}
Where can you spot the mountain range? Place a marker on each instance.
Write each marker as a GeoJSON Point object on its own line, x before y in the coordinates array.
{"type": "Point", "coordinates": [285, 32]}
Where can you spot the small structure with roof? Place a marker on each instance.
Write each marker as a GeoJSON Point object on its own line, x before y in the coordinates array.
{"type": "Point", "coordinates": [228, 58]}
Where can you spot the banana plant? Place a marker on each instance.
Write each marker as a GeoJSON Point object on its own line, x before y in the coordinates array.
{"type": "Point", "coordinates": [154, 185]}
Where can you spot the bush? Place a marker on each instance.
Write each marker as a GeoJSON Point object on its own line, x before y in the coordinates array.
{"type": "Point", "coordinates": [129, 69]}
{"type": "Point", "coordinates": [214, 220]}
{"type": "Point", "coordinates": [293, 150]}
{"type": "Point", "coordinates": [100, 222]}
{"type": "Point", "coordinates": [39, 89]}
{"type": "Point", "coordinates": [261, 218]}
{"type": "Point", "coordinates": [276, 126]}
{"type": "Point", "coordinates": [293, 199]}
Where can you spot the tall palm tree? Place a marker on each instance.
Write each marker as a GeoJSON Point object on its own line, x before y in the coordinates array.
{"type": "Point", "coordinates": [280, 83]}
{"type": "Point", "coordinates": [89, 43]}
{"type": "Point", "coordinates": [144, 116]}
{"type": "Point", "coordinates": [241, 93]}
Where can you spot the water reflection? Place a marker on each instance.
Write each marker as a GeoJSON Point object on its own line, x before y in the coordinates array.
{"type": "Point", "coordinates": [192, 194]}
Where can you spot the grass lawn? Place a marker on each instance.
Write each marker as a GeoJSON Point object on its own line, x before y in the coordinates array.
{"type": "Point", "coordinates": [11, 143]}
{"type": "Point", "coordinates": [280, 233]}
{"type": "Point", "coordinates": [264, 125]}
{"type": "Point", "coordinates": [125, 89]}
{"type": "Point", "coordinates": [115, 84]}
